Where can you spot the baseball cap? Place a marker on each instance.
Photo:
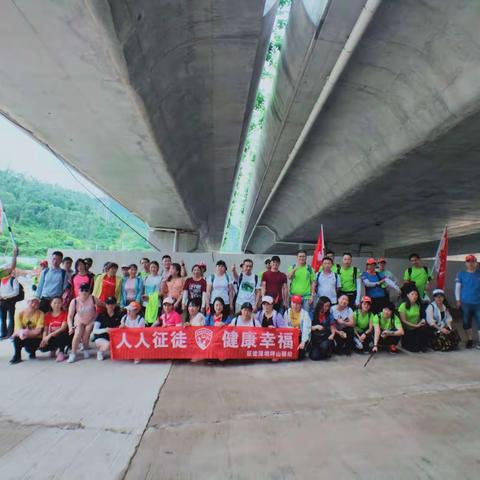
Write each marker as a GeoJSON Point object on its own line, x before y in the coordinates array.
{"type": "Point", "coordinates": [381, 259]}
{"type": "Point", "coordinates": [247, 305]}
{"type": "Point", "coordinates": [111, 301]}
{"type": "Point", "coordinates": [296, 299]}
{"type": "Point", "coordinates": [44, 263]}
{"type": "Point", "coordinates": [133, 306]}
{"type": "Point", "coordinates": [366, 299]}
{"type": "Point", "coordinates": [371, 261]}
{"type": "Point", "coordinates": [124, 266]}
{"type": "Point", "coordinates": [169, 300]}
{"type": "Point", "coordinates": [470, 258]}
{"type": "Point", "coordinates": [267, 260]}
{"type": "Point", "coordinates": [267, 299]}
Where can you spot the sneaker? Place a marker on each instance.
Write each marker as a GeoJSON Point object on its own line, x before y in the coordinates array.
{"type": "Point", "coordinates": [86, 354]}
{"type": "Point", "coordinates": [71, 358]}
{"type": "Point", "coordinates": [99, 356]}
{"type": "Point", "coordinates": [32, 356]}
{"type": "Point", "coordinates": [358, 344]}
{"type": "Point", "coordinates": [393, 349]}
{"type": "Point", "coordinates": [469, 344]}
{"type": "Point", "coordinates": [15, 360]}
{"type": "Point", "coordinates": [136, 362]}
{"type": "Point", "coordinates": [60, 357]}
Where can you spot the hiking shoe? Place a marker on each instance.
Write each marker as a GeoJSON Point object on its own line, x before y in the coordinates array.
{"type": "Point", "coordinates": [469, 344]}
{"type": "Point", "coordinates": [71, 358]}
{"type": "Point", "coordinates": [393, 349]}
{"type": "Point", "coordinates": [15, 360]}
{"type": "Point", "coordinates": [86, 354]}
{"type": "Point", "coordinates": [60, 357]}
{"type": "Point", "coordinates": [99, 356]}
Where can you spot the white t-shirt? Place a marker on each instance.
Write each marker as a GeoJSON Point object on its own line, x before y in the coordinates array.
{"type": "Point", "coordinates": [240, 322]}
{"type": "Point", "coordinates": [344, 315]}
{"type": "Point", "coordinates": [139, 322]}
{"type": "Point", "coordinates": [247, 289]}
{"type": "Point", "coordinates": [327, 285]}
{"type": "Point", "coordinates": [220, 287]}
{"type": "Point", "coordinates": [198, 320]}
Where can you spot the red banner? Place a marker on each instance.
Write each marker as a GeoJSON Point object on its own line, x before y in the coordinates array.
{"type": "Point", "coordinates": [204, 343]}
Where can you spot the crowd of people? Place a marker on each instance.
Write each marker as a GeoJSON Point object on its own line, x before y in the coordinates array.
{"type": "Point", "coordinates": [337, 310]}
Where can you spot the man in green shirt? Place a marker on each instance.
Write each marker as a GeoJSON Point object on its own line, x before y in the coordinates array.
{"type": "Point", "coordinates": [350, 281]}
{"type": "Point", "coordinates": [417, 274]}
{"type": "Point", "coordinates": [302, 281]}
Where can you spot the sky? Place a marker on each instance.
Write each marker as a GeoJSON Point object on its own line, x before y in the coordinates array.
{"type": "Point", "coordinates": [21, 153]}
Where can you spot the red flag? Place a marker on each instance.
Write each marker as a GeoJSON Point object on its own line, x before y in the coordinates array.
{"type": "Point", "coordinates": [319, 252]}
{"type": "Point", "coordinates": [440, 265]}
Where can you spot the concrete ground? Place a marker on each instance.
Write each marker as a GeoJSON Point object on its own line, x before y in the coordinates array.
{"type": "Point", "coordinates": [410, 416]}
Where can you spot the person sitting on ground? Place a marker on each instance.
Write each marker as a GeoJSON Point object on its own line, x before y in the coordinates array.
{"type": "Point", "coordinates": [195, 287]}
{"type": "Point", "coordinates": [173, 286]}
{"type": "Point", "coordinates": [194, 317]}
{"type": "Point", "coordinates": [110, 318]}
{"type": "Point", "coordinates": [444, 338]}
{"type": "Point", "coordinates": [418, 276]}
{"type": "Point", "coordinates": [133, 319]}
{"type": "Point", "coordinates": [81, 315]}
{"type": "Point", "coordinates": [417, 332]}
{"type": "Point", "coordinates": [388, 329]}
{"type": "Point", "coordinates": [298, 318]}
{"type": "Point", "coordinates": [55, 336]}
{"type": "Point", "coordinates": [132, 287]}
{"type": "Point", "coordinates": [343, 326]}
{"type": "Point", "coordinates": [363, 318]}
{"type": "Point", "coordinates": [268, 316]}
{"type": "Point", "coordinates": [321, 340]}
{"type": "Point", "coordinates": [107, 284]}
{"type": "Point", "coordinates": [28, 330]}
{"type": "Point", "coordinates": [169, 317]}
{"type": "Point", "coordinates": [218, 316]}
{"type": "Point", "coordinates": [245, 318]}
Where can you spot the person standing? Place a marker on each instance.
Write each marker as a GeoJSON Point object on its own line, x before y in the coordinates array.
{"type": "Point", "coordinates": [53, 282]}
{"type": "Point", "coordinates": [173, 287]}
{"type": "Point", "coordinates": [28, 330]}
{"type": "Point", "coordinates": [327, 282]}
{"type": "Point", "coordinates": [107, 285]}
{"type": "Point", "coordinates": [274, 284]}
{"type": "Point", "coordinates": [166, 267]}
{"type": "Point", "coordinates": [249, 288]}
{"type": "Point", "coordinates": [219, 284]}
{"type": "Point", "coordinates": [375, 286]}
{"type": "Point", "coordinates": [67, 263]}
{"type": "Point", "coordinates": [302, 281]}
{"type": "Point", "coordinates": [145, 270]}
{"type": "Point", "coordinates": [195, 287]}
{"type": "Point", "coordinates": [467, 295]}
{"type": "Point", "coordinates": [418, 275]}
{"type": "Point", "coordinates": [81, 276]}
{"type": "Point", "coordinates": [268, 266]}
{"type": "Point", "coordinates": [152, 293]}
{"type": "Point", "coordinates": [132, 287]}
{"type": "Point", "coordinates": [350, 281]}
{"type": "Point", "coordinates": [390, 280]}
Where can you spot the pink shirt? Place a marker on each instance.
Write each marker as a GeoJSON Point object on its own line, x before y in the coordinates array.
{"type": "Point", "coordinates": [171, 319]}
{"type": "Point", "coordinates": [77, 281]}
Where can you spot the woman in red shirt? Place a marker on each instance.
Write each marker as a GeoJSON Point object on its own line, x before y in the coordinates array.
{"type": "Point", "coordinates": [55, 336]}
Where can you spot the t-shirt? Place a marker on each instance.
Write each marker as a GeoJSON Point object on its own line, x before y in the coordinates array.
{"type": "Point", "coordinates": [109, 285]}
{"type": "Point", "coordinates": [105, 321]}
{"type": "Point", "coordinates": [137, 322]}
{"type": "Point", "coordinates": [362, 320]}
{"type": "Point", "coordinates": [419, 276]}
{"type": "Point", "coordinates": [274, 282]}
{"type": "Point", "coordinates": [247, 289]}
{"type": "Point", "coordinates": [240, 322]}
{"type": "Point", "coordinates": [300, 283]}
{"type": "Point", "coordinates": [195, 288]}
{"type": "Point", "coordinates": [219, 287]}
{"type": "Point", "coordinates": [412, 314]}
{"type": "Point", "coordinates": [349, 284]}
{"type": "Point", "coordinates": [198, 320]}
{"type": "Point", "coordinates": [387, 323]}
{"type": "Point", "coordinates": [470, 282]}
{"type": "Point", "coordinates": [344, 315]}
{"type": "Point", "coordinates": [52, 323]}
{"type": "Point", "coordinates": [32, 322]}
{"type": "Point", "coordinates": [327, 285]}
{"type": "Point", "coordinates": [78, 280]}
{"type": "Point", "coordinates": [151, 285]}
{"type": "Point", "coordinates": [171, 319]}
{"type": "Point", "coordinates": [377, 291]}
{"type": "Point", "coordinates": [325, 321]}
{"type": "Point", "coordinates": [175, 287]}
{"type": "Point", "coordinates": [130, 289]}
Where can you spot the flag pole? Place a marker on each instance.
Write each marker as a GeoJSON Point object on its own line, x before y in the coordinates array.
{"type": "Point", "coordinates": [12, 238]}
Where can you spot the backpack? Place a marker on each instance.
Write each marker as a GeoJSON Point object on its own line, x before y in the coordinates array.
{"type": "Point", "coordinates": [239, 283]}
{"type": "Point", "coordinates": [21, 292]}
{"type": "Point", "coordinates": [410, 270]}
{"type": "Point", "coordinates": [357, 314]}
{"type": "Point", "coordinates": [212, 278]}
{"type": "Point", "coordinates": [355, 272]}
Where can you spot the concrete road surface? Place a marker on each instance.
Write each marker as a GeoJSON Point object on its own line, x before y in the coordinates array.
{"type": "Point", "coordinates": [410, 416]}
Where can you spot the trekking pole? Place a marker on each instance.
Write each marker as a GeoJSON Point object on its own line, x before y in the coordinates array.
{"type": "Point", "coordinates": [369, 358]}
{"type": "Point", "coordinates": [9, 228]}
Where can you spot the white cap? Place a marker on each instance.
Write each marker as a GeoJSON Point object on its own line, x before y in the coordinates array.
{"type": "Point", "coordinates": [169, 300]}
{"type": "Point", "coordinates": [438, 291]}
{"type": "Point", "coordinates": [267, 299]}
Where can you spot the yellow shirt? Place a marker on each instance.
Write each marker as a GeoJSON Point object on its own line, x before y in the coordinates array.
{"type": "Point", "coordinates": [295, 318]}
{"type": "Point", "coordinates": [32, 322]}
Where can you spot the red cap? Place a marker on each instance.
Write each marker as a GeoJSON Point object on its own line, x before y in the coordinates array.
{"type": "Point", "coordinates": [44, 263]}
{"type": "Point", "coordinates": [366, 299]}
{"type": "Point", "coordinates": [296, 299]}
{"type": "Point", "coordinates": [470, 258]}
{"type": "Point", "coordinates": [381, 259]}
{"type": "Point", "coordinates": [371, 261]}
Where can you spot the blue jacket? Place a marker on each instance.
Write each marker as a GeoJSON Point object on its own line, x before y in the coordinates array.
{"type": "Point", "coordinates": [138, 291]}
